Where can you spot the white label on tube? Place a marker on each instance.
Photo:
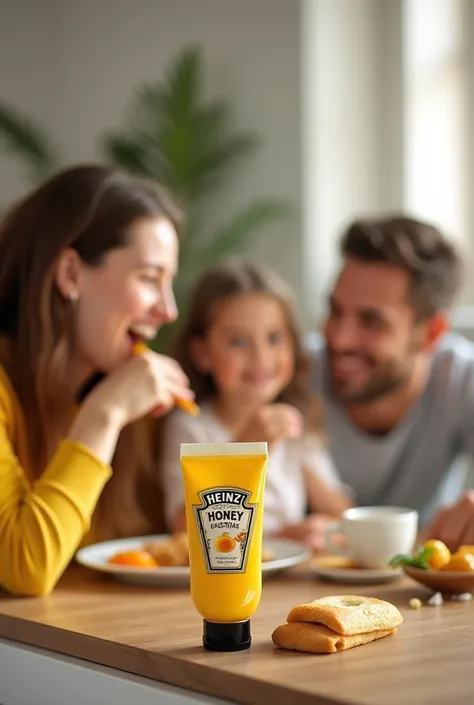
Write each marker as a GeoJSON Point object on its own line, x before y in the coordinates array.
{"type": "Point", "coordinates": [225, 523]}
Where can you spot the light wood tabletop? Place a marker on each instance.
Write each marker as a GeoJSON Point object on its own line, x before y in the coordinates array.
{"type": "Point", "coordinates": [157, 633]}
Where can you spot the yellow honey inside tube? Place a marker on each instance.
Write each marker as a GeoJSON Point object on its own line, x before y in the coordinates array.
{"type": "Point", "coordinates": [224, 487]}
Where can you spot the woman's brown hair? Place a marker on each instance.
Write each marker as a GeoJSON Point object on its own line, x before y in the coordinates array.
{"type": "Point", "coordinates": [233, 278]}
{"type": "Point", "coordinates": [90, 209]}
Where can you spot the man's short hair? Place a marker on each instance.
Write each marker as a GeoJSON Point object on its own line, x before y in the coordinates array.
{"type": "Point", "coordinates": [431, 260]}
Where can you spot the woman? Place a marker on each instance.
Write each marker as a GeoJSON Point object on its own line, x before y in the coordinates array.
{"type": "Point", "coordinates": [87, 263]}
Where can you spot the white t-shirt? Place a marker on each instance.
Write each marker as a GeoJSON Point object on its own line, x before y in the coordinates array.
{"type": "Point", "coordinates": [285, 493]}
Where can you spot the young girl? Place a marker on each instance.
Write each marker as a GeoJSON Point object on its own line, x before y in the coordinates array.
{"type": "Point", "coordinates": [241, 350]}
{"type": "Point", "coordinates": [87, 263]}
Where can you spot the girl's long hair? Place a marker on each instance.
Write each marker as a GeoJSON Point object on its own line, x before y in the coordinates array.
{"type": "Point", "coordinates": [90, 209]}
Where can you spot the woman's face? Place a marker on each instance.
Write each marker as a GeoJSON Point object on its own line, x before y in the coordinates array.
{"type": "Point", "coordinates": [128, 297]}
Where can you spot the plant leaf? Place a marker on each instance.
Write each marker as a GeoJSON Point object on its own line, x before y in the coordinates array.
{"type": "Point", "coordinates": [126, 153]}
{"type": "Point", "coordinates": [418, 560]}
{"type": "Point", "coordinates": [183, 141]}
{"type": "Point", "coordinates": [175, 136]}
{"type": "Point", "coordinates": [20, 136]}
{"type": "Point", "coordinates": [219, 159]}
{"type": "Point", "coordinates": [237, 235]}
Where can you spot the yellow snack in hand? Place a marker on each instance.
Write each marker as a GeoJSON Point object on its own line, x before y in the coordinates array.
{"type": "Point", "coordinates": [187, 405]}
{"type": "Point", "coordinates": [139, 348]}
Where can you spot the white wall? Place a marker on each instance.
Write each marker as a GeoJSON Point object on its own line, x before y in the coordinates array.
{"type": "Point", "coordinates": [73, 65]}
{"type": "Point", "coordinates": [352, 123]}
{"type": "Point", "coordinates": [322, 81]}
{"type": "Point", "coordinates": [28, 74]}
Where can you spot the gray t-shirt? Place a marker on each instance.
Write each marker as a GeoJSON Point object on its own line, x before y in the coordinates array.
{"type": "Point", "coordinates": [422, 462]}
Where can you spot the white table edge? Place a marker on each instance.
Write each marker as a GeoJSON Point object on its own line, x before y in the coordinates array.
{"type": "Point", "coordinates": [33, 676]}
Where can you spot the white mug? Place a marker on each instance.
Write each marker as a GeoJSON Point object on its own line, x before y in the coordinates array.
{"type": "Point", "coordinates": [374, 535]}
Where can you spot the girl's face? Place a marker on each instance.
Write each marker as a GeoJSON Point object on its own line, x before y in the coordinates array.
{"type": "Point", "coordinates": [128, 297]}
{"type": "Point", "coordinates": [248, 349]}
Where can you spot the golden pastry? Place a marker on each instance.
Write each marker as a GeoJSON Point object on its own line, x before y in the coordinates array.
{"type": "Point", "coordinates": [172, 551]}
{"type": "Point", "coordinates": [318, 639]}
{"type": "Point", "coordinates": [348, 614]}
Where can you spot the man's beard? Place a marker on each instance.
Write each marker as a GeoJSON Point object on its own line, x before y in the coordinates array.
{"type": "Point", "coordinates": [387, 379]}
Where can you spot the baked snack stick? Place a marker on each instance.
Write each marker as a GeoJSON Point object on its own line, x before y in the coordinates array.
{"type": "Point", "coordinates": [187, 405]}
{"type": "Point", "coordinates": [348, 614]}
{"type": "Point", "coordinates": [318, 639]}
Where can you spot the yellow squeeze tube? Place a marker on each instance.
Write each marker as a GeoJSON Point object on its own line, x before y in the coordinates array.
{"type": "Point", "coordinates": [224, 485]}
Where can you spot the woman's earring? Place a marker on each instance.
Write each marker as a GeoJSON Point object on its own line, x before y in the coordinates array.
{"type": "Point", "coordinates": [73, 297]}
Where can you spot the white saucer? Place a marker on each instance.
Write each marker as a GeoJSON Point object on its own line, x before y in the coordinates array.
{"type": "Point", "coordinates": [332, 568]}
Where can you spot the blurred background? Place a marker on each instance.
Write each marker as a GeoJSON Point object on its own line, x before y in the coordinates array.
{"type": "Point", "coordinates": [275, 121]}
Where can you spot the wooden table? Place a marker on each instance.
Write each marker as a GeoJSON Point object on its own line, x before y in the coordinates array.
{"type": "Point", "coordinates": [156, 634]}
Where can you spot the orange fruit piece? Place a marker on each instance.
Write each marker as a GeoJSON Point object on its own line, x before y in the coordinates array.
{"type": "Point", "coordinates": [440, 554]}
{"type": "Point", "coordinates": [461, 562]}
{"type": "Point", "coordinates": [465, 549]}
{"type": "Point", "coordinates": [137, 559]}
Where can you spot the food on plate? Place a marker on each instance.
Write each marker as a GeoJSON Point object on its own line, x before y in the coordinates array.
{"type": "Point", "coordinates": [267, 555]}
{"type": "Point", "coordinates": [135, 559]}
{"type": "Point", "coordinates": [435, 555]}
{"type": "Point", "coordinates": [336, 623]}
{"type": "Point", "coordinates": [169, 551]}
{"type": "Point", "coordinates": [336, 562]}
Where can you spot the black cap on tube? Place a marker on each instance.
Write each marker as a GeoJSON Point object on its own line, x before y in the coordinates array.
{"type": "Point", "coordinates": [226, 636]}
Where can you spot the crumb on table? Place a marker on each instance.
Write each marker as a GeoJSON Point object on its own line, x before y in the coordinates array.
{"type": "Point", "coordinates": [415, 603]}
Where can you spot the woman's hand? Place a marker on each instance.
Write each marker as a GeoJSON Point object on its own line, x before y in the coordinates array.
{"type": "Point", "coordinates": [142, 384]}
{"type": "Point", "coordinates": [272, 423]}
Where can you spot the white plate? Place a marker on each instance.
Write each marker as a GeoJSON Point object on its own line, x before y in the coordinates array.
{"type": "Point", "coordinates": [287, 554]}
{"type": "Point", "coordinates": [354, 576]}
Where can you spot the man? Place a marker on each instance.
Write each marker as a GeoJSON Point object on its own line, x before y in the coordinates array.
{"type": "Point", "coordinates": [398, 389]}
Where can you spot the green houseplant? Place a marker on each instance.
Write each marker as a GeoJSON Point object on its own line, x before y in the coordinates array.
{"type": "Point", "coordinates": [174, 136]}
{"type": "Point", "coordinates": [24, 139]}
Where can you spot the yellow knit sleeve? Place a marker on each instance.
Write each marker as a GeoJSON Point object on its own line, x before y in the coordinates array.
{"type": "Point", "coordinates": [41, 525]}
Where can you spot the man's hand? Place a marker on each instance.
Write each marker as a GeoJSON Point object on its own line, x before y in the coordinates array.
{"type": "Point", "coordinates": [454, 525]}
{"type": "Point", "coordinates": [310, 531]}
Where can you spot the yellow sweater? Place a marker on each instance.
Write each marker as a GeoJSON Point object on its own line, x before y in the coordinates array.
{"type": "Point", "coordinates": [41, 524]}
